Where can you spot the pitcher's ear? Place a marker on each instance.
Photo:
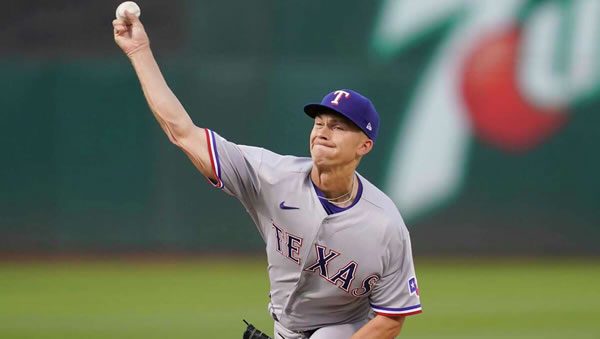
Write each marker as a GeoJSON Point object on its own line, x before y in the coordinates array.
{"type": "Point", "coordinates": [365, 147]}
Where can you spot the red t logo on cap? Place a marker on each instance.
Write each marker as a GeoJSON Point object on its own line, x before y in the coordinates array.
{"type": "Point", "coordinates": [338, 96]}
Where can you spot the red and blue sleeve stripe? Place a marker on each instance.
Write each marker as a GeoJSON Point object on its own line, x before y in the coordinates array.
{"type": "Point", "coordinates": [388, 311]}
{"type": "Point", "coordinates": [214, 158]}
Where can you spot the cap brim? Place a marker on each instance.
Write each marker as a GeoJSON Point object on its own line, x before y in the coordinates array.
{"type": "Point", "coordinates": [313, 109]}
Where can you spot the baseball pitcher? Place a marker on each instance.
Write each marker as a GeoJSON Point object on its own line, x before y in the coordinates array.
{"type": "Point", "coordinates": [339, 255]}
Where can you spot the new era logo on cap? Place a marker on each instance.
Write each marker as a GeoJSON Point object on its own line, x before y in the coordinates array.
{"type": "Point", "coordinates": [352, 105]}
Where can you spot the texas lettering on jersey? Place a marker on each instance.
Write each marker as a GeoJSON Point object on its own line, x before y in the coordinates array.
{"type": "Point", "coordinates": [289, 245]}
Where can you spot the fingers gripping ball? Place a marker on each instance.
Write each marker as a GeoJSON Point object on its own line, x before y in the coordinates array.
{"type": "Point", "coordinates": [128, 6]}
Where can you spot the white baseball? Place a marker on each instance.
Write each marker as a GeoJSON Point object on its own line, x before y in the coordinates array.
{"type": "Point", "coordinates": [130, 6]}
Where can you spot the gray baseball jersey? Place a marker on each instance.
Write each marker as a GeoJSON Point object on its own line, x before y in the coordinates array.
{"type": "Point", "coordinates": [323, 269]}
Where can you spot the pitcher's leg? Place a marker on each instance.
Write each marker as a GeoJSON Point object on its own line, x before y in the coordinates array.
{"type": "Point", "coordinates": [343, 331]}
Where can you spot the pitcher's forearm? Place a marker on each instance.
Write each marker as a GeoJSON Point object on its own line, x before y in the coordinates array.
{"type": "Point", "coordinates": [131, 37]}
{"type": "Point", "coordinates": [165, 106]}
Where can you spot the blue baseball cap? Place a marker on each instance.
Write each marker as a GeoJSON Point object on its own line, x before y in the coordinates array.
{"type": "Point", "coordinates": [352, 105]}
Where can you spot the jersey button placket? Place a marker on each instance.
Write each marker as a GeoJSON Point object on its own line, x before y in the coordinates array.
{"type": "Point", "coordinates": [288, 307]}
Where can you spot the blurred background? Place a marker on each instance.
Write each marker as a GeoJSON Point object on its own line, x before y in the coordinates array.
{"type": "Point", "coordinates": [489, 129]}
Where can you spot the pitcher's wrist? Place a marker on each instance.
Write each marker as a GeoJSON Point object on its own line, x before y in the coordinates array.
{"type": "Point", "coordinates": [139, 50]}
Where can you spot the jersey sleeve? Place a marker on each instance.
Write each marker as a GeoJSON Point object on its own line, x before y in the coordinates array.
{"type": "Point", "coordinates": [397, 291]}
{"type": "Point", "coordinates": [236, 167]}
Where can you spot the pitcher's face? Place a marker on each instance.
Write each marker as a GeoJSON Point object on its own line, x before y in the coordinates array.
{"type": "Point", "coordinates": [335, 140]}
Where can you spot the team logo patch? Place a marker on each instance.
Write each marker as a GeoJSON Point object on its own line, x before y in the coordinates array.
{"type": "Point", "coordinates": [413, 288]}
{"type": "Point", "coordinates": [369, 127]}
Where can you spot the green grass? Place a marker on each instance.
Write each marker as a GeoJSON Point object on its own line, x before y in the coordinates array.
{"type": "Point", "coordinates": [206, 298]}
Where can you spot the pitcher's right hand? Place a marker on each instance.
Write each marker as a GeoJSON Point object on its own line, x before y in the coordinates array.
{"type": "Point", "coordinates": [130, 35]}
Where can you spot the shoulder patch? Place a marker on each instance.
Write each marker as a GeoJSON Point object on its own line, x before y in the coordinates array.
{"type": "Point", "coordinates": [413, 288]}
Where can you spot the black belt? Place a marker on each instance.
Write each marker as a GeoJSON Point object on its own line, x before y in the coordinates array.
{"type": "Point", "coordinates": [304, 333]}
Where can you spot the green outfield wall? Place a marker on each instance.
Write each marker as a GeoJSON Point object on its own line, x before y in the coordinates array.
{"type": "Point", "coordinates": [488, 142]}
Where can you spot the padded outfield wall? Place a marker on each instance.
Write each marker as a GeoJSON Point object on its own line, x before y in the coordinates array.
{"type": "Point", "coordinates": [488, 143]}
